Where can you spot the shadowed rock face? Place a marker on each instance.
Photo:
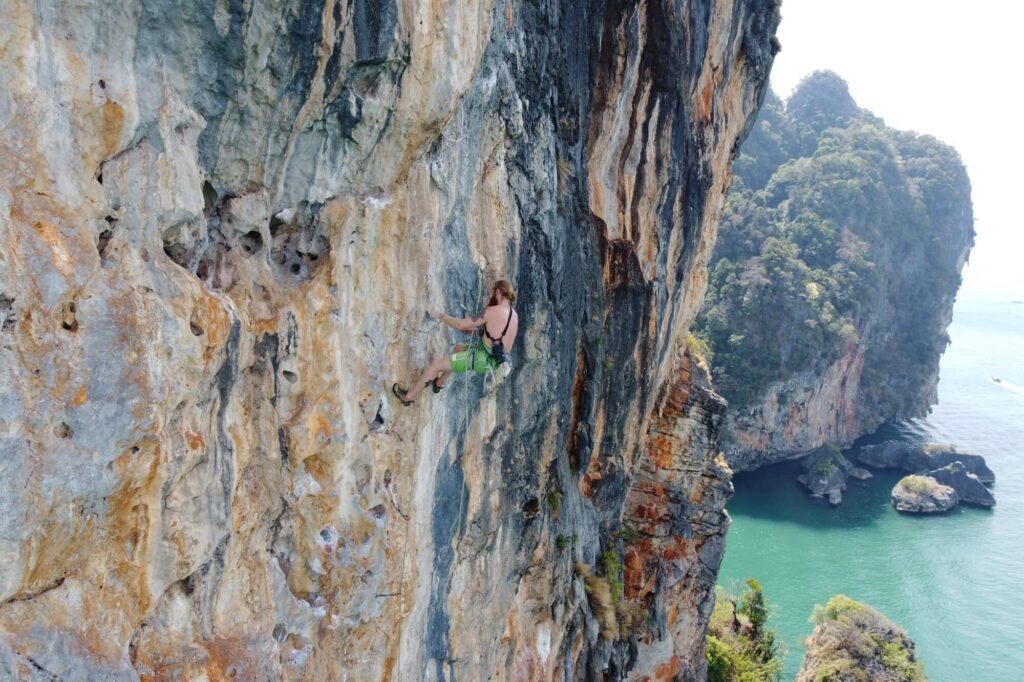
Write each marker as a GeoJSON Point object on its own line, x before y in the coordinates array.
{"type": "Point", "coordinates": [925, 459]}
{"type": "Point", "coordinates": [968, 487]}
{"type": "Point", "coordinates": [221, 225]}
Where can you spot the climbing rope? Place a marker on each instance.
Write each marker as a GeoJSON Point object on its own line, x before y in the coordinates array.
{"type": "Point", "coordinates": [464, 427]}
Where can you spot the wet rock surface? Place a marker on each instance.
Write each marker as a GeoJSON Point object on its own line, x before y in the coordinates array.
{"type": "Point", "coordinates": [222, 224]}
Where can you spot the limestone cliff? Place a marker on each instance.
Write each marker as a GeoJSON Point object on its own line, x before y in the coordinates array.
{"type": "Point", "coordinates": [833, 282]}
{"type": "Point", "coordinates": [222, 222]}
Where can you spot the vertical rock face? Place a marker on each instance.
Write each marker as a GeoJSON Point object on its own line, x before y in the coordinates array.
{"type": "Point", "coordinates": [221, 223]}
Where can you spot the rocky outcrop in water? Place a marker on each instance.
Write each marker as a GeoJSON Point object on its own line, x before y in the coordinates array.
{"type": "Point", "coordinates": [895, 454]}
{"type": "Point", "coordinates": [941, 476]}
{"type": "Point", "coordinates": [824, 473]}
{"type": "Point", "coordinates": [221, 225]}
{"type": "Point", "coordinates": [968, 486]}
{"type": "Point", "coordinates": [923, 495]}
{"type": "Point", "coordinates": [941, 489]}
{"type": "Point", "coordinates": [932, 456]}
{"type": "Point", "coordinates": [833, 280]}
{"type": "Point", "coordinates": [892, 454]}
{"type": "Point", "coordinates": [852, 642]}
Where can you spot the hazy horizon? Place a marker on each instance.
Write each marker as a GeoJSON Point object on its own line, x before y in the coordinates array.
{"type": "Point", "coordinates": [937, 69]}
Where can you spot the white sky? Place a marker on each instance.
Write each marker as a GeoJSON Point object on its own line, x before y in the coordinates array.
{"type": "Point", "coordinates": [949, 69]}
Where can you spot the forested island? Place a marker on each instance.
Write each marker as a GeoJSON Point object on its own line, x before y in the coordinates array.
{"type": "Point", "coordinates": [833, 279]}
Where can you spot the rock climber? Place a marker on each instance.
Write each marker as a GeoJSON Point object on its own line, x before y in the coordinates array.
{"type": "Point", "coordinates": [499, 323]}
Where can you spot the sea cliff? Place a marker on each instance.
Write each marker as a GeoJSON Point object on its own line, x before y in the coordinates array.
{"type": "Point", "coordinates": [221, 223]}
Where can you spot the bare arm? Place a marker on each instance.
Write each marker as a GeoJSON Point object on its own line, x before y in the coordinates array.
{"type": "Point", "coordinates": [462, 324]}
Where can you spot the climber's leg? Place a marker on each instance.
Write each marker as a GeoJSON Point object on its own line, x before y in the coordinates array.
{"type": "Point", "coordinates": [436, 366]}
{"type": "Point", "coordinates": [439, 381]}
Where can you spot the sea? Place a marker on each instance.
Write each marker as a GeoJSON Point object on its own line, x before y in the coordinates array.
{"type": "Point", "coordinates": [954, 582]}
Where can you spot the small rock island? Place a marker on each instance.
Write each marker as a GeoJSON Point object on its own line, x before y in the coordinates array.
{"type": "Point", "coordinates": [852, 642]}
{"type": "Point", "coordinates": [940, 476]}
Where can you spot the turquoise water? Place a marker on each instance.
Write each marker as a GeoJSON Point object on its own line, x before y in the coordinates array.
{"type": "Point", "coordinates": [954, 582]}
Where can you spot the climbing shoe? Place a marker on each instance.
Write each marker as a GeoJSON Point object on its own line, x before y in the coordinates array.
{"type": "Point", "coordinates": [435, 387]}
{"type": "Point", "coordinates": [400, 394]}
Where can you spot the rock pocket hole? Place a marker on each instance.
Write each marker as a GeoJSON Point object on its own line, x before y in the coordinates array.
{"type": "Point", "coordinates": [379, 511]}
{"type": "Point", "coordinates": [104, 240]}
{"type": "Point", "coordinates": [209, 198]}
{"type": "Point", "coordinates": [203, 269]}
{"type": "Point", "coordinates": [290, 377]}
{"type": "Point", "coordinates": [251, 242]}
{"type": "Point", "coordinates": [194, 326]}
{"type": "Point", "coordinates": [68, 320]}
{"type": "Point", "coordinates": [532, 507]}
{"type": "Point", "coordinates": [7, 314]}
{"type": "Point", "coordinates": [378, 419]}
{"type": "Point", "coordinates": [62, 430]}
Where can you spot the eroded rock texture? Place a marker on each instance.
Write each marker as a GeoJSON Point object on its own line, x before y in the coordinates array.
{"type": "Point", "coordinates": [221, 223]}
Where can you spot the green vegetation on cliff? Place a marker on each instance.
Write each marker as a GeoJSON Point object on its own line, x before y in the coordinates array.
{"type": "Point", "coordinates": [854, 643]}
{"type": "Point", "coordinates": [739, 646]}
{"type": "Point", "coordinates": [839, 232]}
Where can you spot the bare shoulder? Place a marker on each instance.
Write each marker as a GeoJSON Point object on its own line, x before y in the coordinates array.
{"type": "Point", "coordinates": [497, 312]}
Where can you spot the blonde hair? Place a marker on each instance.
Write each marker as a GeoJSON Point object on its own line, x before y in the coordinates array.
{"type": "Point", "coordinates": [506, 290]}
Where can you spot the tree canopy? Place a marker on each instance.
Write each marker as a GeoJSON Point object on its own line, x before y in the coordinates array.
{"type": "Point", "coordinates": [837, 231]}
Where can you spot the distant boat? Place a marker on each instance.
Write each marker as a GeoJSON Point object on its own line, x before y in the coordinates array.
{"type": "Point", "coordinates": [1008, 385]}
{"type": "Point", "coordinates": [1018, 302]}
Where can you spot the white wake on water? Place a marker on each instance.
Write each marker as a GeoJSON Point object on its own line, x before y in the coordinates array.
{"type": "Point", "coordinates": [1008, 385]}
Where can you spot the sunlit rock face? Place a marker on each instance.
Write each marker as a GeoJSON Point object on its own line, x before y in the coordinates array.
{"type": "Point", "coordinates": [221, 223]}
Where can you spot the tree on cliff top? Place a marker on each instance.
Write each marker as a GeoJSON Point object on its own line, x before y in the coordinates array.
{"type": "Point", "coordinates": [739, 646]}
{"type": "Point", "coordinates": [821, 100]}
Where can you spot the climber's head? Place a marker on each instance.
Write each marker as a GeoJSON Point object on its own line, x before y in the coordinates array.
{"type": "Point", "coordinates": [502, 291]}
